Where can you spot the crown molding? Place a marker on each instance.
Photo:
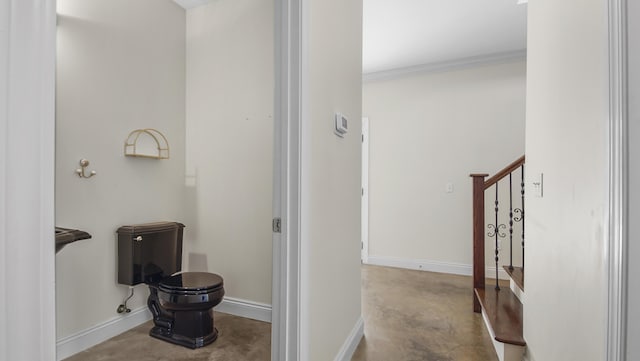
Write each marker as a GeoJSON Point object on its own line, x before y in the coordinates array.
{"type": "Point", "coordinates": [190, 4]}
{"type": "Point", "coordinates": [444, 66]}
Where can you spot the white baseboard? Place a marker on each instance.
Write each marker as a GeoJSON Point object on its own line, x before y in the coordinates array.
{"type": "Point", "coordinates": [244, 308]}
{"type": "Point", "coordinates": [72, 344]}
{"type": "Point", "coordinates": [527, 355]}
{"type": "Point", "coordinates": [433, 266]}
{"type": "Point", "coordinates": [78, 342]}
{"type": "Point", "coordinates": [352, 341]}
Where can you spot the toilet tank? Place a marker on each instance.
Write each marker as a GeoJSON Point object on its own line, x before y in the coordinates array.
{"type": "Point", "coordinates": [149, 252]}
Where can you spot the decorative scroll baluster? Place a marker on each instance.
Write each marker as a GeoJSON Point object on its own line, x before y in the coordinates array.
{"type": "Point", "coordinates": [522, 194]}
{"type": "Point", "coordinates": [520, 211]}
{"type": "Point", "coordinates": [497, 235]}
{"type": "Point", "coordinates": [510, 223]}
{"type": "Point", "coordinates": [496, 230]}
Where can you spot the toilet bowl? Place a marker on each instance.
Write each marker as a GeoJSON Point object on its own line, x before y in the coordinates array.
{"type": "Point", "coordinates": [181, 303]}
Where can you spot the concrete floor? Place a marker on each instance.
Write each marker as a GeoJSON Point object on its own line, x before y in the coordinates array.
{"type": "Point", "coordinates": [416, 315]}
{"type": "Point", "coordinates": [238, 339]}
{"type": "Point", "coordinates": [409, 316]}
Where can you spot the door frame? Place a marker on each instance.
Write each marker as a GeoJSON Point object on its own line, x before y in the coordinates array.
{"type": "Point", "coordinates": [27, 145]}
{"type": "Point", "coordinates": [28, 33]}
{"type": "Point", "coordinates": [364, 202]}
{"type": "Point", "coordinates": [617, 222]}
{"type": "Point", "coordinates": [289, 198]}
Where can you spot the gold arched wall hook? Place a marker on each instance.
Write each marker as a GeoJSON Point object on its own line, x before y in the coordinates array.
{"type": "Point", "coordinates": [83, 165]}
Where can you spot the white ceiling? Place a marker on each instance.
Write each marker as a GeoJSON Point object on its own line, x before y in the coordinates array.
{"type": "Point", "coordinates": [408, 33]}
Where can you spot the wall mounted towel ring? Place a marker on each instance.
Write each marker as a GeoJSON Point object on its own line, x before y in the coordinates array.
{"type": "Point", "coordinates": [83, 165]}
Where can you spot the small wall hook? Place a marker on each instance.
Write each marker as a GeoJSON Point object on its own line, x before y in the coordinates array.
{"type": "Point", "coordinates": [80, 171]}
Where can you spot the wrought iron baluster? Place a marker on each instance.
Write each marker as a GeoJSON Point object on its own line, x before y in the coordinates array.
{"type": "Point", "coordinates": [510, 223]}
{"type": "Point", "coordinates": [522, 215]}
{"type": "Point", "coordinates": [494, 231]}
{"type": "Point", "coordinates": [497, 235]}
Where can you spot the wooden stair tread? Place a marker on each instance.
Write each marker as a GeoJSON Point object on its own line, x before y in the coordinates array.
{"type": "Point", "coordinates": [517, 275]}
{"type": "Point", "coordinates": [504, 313]}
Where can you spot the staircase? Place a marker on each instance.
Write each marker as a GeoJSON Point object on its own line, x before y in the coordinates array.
{"type": "Point", "coordinates": [501, 307]}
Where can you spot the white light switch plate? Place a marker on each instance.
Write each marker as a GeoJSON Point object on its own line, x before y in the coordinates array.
{"type": "Point", "coordinates": [448, 187]}
{"type": "Point", "coordinates": [538, 186]}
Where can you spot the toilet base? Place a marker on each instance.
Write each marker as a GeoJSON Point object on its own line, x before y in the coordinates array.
{"type": "Point", "coordinates": [193, 343]}
{"type": "Point", "coordinates": [191, 328]}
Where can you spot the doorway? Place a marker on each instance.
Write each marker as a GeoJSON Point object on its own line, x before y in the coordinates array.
{"type": "Point", "coordinates": [121, 67]}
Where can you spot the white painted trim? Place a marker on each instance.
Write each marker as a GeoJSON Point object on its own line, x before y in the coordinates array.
{"type": "Point", "coordinates": [504, 351]}
{"type": "Point", "coordinates": [351, 343]}
{"type": "Point", "coordinates": [190, 4]}
{"type": "Point", "coordinates": [306, 170]}
{"type": "Point", "coordinates": [517, 291]}
{"type": "Point", "coordinates": [287, 248]}
{"type": "Point", "coordinates": [80, 341]}
{"type": "Point", "coordinates": [5, 22]}
{"type": "Point", "coordinates": [243, 308]}
{"type": "Point", "coordinates": [364, 201]}
{"type": "Point", "coordinates": [527, 355]}
{"type": "Point", "coordinates": [440, 67]}
{"type": "Point", "coordinates": [616, 218]}
{"type": "Point", "coordinates": [27, 262]}
{"type": "Point", "coordinates": [433, 266]}
{"type": "Point", "coordinates": [280, 149]}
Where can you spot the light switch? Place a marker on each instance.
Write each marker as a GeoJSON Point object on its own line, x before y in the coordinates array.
{"type": "Point", "coordinates": [448, 187]}
{"type": "Point", "coordinates": [538, 186]}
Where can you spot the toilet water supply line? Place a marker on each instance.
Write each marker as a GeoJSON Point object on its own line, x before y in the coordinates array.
{"type": "Point", "coordinates": [123, 307]}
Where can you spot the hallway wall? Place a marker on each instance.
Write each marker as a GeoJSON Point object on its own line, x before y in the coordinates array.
{"type": "Point", "coordinates": [427, 130]}
{"type": "Point", "coordinates": [330, 261]}
{"type": "Point", "coordinates": [565, 311]}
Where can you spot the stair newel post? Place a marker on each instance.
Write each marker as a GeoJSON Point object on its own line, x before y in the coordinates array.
{"type": "Point", "coordinates": [478, 236]}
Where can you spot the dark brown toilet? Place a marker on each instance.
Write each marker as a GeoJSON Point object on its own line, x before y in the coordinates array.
{"type": "Point", "coordinates": [181, 304]}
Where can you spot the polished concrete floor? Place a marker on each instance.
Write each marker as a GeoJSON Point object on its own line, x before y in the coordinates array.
{"type": "Point", "coordinates": [409, 316]}
{"type": "Point", "coordinates": [238, 339]}
{"type": "Point", "coordinates": [415, 315]}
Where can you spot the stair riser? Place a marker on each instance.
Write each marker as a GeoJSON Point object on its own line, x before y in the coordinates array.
{"type": "Point", "coordinates": [517, 291]}
{"type": "Point", "coordinates": [505, 352]}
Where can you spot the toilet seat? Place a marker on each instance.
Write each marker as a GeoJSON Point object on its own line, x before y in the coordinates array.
{"type": "Point", "coordinates": [191, 283]}
{"type": "Point", "coordinates": [190, 291]}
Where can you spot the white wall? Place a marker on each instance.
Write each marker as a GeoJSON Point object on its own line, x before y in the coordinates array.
{"type": "Point", "coordinates": [430, 129]}
{"type": "Point", "coordinates": [633, 322]}
{"type": "Point", "coordinates": [121, 66]}
{"type": "Point", "coordinates": [331, 217]}
{"type": "Point", "coordinates": [230, 90]}
{"type": "Point", "coordinates": [566, 139]}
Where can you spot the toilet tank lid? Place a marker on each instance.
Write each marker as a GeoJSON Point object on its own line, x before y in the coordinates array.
{"type": "Point", "coordinates": [150, 228]}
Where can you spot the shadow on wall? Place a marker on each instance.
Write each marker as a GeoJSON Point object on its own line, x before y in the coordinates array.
{"type": "Point", "coordinates": [190, 209]}
{"type": "Point", "coordinates": [198, 262]}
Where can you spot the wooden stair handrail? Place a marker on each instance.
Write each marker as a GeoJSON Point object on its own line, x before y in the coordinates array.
{"type": "Point", "coordinates": [504, 172]}
{"type": "Point", "coordinates": [479, 186]}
